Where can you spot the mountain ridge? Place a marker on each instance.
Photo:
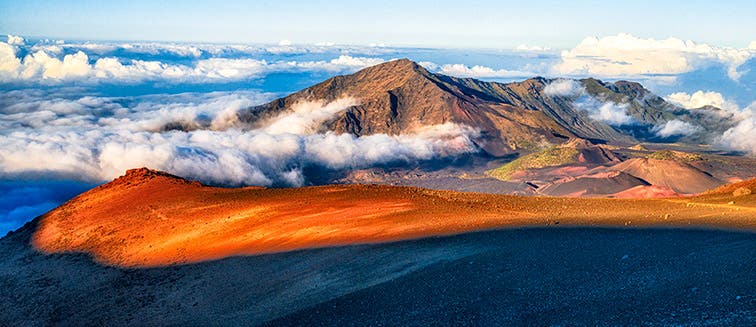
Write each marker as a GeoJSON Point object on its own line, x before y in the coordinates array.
{"type": "Point", "coordinates": [400, 95]}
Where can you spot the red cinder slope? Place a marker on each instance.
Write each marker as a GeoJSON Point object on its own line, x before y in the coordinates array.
{"type": "Point", "coordinates": [150, 218]}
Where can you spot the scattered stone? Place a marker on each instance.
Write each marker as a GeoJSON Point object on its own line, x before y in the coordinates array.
{"type": "Point", "coordinates": [741, 191]}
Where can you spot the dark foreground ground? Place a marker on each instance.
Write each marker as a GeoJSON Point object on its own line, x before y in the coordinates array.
{"type": "Point", "coordinates": [544, 276]}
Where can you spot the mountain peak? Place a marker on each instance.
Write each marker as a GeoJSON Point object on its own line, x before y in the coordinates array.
{"type": "Point", "coordinates": [144, 175]}
{"type": "Point", "coordinates": [394, 68]}
{"type": "Point", "coordinates": [402, 63]}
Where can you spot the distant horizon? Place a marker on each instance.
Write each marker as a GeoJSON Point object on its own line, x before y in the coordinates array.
{"type": "Point", "coordinates": [480, 24]}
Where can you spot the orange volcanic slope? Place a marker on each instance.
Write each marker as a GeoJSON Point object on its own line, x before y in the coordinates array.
{"type": "Point", "coordinates": [149, 218]}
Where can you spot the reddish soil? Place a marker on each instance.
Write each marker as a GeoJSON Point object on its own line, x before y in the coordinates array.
{"type": "Point", "coordinates": [149, 218]}
{"type": "Point", "coordinates": [646, 191]}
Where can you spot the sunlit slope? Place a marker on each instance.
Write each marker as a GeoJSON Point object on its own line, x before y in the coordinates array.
{"type": "Point", "coordinates": [149, 218]}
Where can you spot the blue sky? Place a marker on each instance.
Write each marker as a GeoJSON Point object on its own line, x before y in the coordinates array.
{"type": "Point", "coordinates": [487, 24]}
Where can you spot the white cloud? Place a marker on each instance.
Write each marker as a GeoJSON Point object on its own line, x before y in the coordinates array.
{"type": "Point", "coordinates": [612, 114]}
{"type": "Point", "coordinates": [627, 55]}
{"type": "Point", "coordinates": [305, 117]}
{"type": "Point", "coordinates": [428, 65]}
{"type": "Point", "coordinates": [701, 98]}
{"type": "Point", "coordinates": [349, 61]}
{"type": "Point", "coordinates": [531, 48]}
{"type": "Point", "coordinates": [564, 87]}
{"type": "Point", "coordinates": [284, 43]}
{"type": "Point", "coordinates": [15, 40]}
{"type": "Point", "coordinates": [742, 136]}
{"type": "Point", "coordinates": [98, 138]}
{"type": "Point", "coordinates": [39, 63]}
{"type": "Point", "coordinates": [198, 50]}
{"type": "Point", "coordinates": [42, 68]}
{"type": "Point", "coordinates": [152, 48]}
{"type": "Point", "coordinates": [676, 127]}
{"type": "Point", "coordinates": [477, 71]}
{"type": "Point", "coordinates": [9, 64]}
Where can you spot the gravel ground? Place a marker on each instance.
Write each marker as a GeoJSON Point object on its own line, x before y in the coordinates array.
{"type": "Point", "coordinates": [543, 276]}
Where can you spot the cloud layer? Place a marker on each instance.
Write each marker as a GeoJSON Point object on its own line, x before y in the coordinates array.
{"type": "Point", "coordinates": [627, 55]}
{"type": "Point", "coordinates": [197, 136]}
{"type": "Point", "coordinates": [700, 99]}
{"type": "Point", "coordinates": [742, 136]}
{"type": "Point", "coordinates": [614, 114]}
{"type": "Point", "coordinates": [41, 67]}
{"type": "Point", "coordinates": [675, 127]}
{"type": "Point", "coordinates": [564, 87]}
{"type": "Point", "coordinates": [478, 71]}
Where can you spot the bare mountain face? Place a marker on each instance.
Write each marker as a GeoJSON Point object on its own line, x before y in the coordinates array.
{"type": "Point", "coordinates": [557, 137]}
{"type": "Point", "coordinates": [399, 96]}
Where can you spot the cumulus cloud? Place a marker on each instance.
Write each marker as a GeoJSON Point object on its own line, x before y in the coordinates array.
{"type": "Point", "coordinates": [151, 48]}
{"type": "Point", "coordinates": [15, 40]}
{"type": "Point", "coordinates": [350, 61]}
{"type": "Point", "coordinates": [627, 55]}
{"type": "Point", "coordinates": [700, 99]}
{"type": "Point", "coordinates": [429, 65]}
{"type": "Point", "coordinates": [41, 67]}
{"type": "Point", "coordinates": [605, 111]}
{"type": "Point", "coordinates": [609, 112]}
{"type": "Point", "coordinates": [9, 64]}
{"type": "Point", "coordinates": [742, 136]}
{"type": "Point", "coordinates": [98, 138]}
{"type": "Point", "coordinates": [39, 64]}
{"type": "Point", "coordinates": [564, 87]}
{"type": "Point", "coordinates": [305, 117]}
{"type": "Point", "coordinates": [197, 50]}
{"type": "Point", "coordinates": [477, 71]}
{"type": "Point", "coordinates": [676, 127]}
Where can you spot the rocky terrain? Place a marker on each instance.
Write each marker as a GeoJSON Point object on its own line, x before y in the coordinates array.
{"type": "Point", "coordinates": [399, 96]}
{"type": "Point", "coordinates": [533, 140]}
{"type": "Point", "coordinates": [150, 248]}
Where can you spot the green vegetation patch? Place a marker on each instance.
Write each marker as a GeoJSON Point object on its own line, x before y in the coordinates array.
{"type": "Point", "coordinates": [675, 155]}
{"type": "Point", "coordinates": [554, 156]}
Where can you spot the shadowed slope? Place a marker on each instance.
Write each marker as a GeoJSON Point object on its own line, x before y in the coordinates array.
{"type": "Point", "coordinates": [148, 218]}
{"type": "Point", "coordinates": [678, 176]}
